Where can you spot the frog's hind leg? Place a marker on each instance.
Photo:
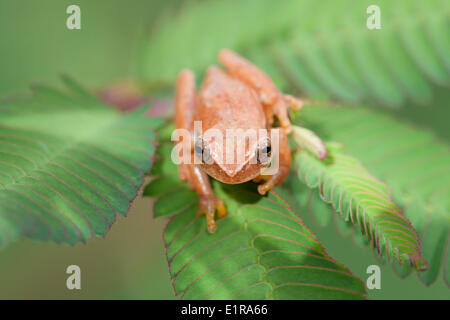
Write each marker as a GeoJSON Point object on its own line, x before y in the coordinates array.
{"type": "Point", "coordinates": [184, 115]}
{"type": "Point", "coordinates": [274, 102]}
{"type": "Point", "coordinates": [198, 180]}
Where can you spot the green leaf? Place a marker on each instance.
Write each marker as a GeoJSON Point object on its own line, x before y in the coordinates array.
{"type": "Point", "coordinates": [322, 48]}
{"type": "Point", "coordinates": [413, 163]}
{"type": "Point", "coordinates": [68, 164]}
{"type": "Point", "coordinates": [363, 200]}
{"type": "Point", "coordinates": [261, 250]}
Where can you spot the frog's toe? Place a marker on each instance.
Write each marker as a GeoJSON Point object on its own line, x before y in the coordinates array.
{"type": "Point", "coordinates": [212, 228]}
{"type": "Point", "coordinates": [208, 206]}
{"type": "Point", "coordinates": [265, 187]}
{"type": "Point", "coordinates": [294, 102]}
{"type": "Point", "coordinates": [221, 209]}
{"type": "Point", "coordinates": [287, 128]}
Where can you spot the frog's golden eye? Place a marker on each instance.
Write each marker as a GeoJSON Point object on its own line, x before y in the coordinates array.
{"type": "Point", "coordinates": [264, 153]}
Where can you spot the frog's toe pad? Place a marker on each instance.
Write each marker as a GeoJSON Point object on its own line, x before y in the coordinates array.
{"type": "Point", "coordinates": [264, 188]}
{"type": "Point", "coordinates": [221, 209]}
{"type": "Point", "coordinates": [208, 206]}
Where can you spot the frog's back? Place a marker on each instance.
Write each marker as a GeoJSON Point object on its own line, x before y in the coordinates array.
{"type": "Point", "coordinates": [225, 102]}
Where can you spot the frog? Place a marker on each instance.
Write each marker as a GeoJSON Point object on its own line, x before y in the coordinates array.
{"type": "Point", "coordinates": [240, 95]}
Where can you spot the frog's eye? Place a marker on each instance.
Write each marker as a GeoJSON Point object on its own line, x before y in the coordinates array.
{"type": "Point", "coordinates": [264, 153]}
{"type": "Point", "coordinates": [201, 151]}
{"type": "Point", "coordinates": [198, 148]}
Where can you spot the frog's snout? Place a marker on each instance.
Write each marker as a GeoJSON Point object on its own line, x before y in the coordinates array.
{"type": "Point", "coordinates": [231, 170]}
{"type": "Point", "coordinates": [233, 173]}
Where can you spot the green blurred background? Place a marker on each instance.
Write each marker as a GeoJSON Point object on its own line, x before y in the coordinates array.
{"type": "Point", "coordinates": [36, 47]}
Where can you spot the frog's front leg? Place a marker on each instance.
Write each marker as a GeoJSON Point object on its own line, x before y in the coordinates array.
{"type": "Point", "coordinates": [274, 102]}
{"type": "Point", "coordinates": [208, 201]}
{"type": "Point", "coordinates": [284, 164]}
{"type": "Point", "coordinates": [198, 180]}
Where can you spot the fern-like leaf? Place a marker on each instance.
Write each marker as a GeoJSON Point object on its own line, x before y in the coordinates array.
{"type": "Point", "coordinates": [363, 200]}
{"type": "Point", "coordinates": [68, 164]}
{"type": "Point", "coordinates": [322, 48]}
{"type": "Point", "coordinates": [413, 163]}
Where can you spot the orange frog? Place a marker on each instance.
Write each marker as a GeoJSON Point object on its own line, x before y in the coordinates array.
{"type": "Point", "coordinates": [242, 97]}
